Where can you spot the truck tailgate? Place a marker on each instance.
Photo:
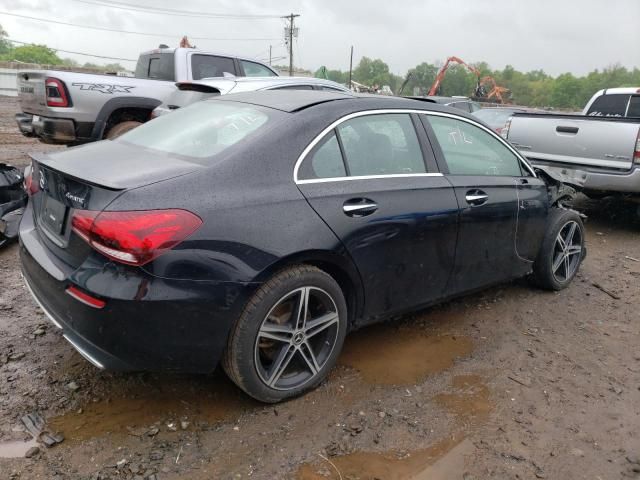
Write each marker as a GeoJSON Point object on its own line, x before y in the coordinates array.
{"type": "Point", "coordinates": [31, 92]}
{"type": "Point", "coordinates": [589, 142]}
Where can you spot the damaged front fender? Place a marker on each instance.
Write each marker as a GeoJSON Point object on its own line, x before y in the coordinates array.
{"type": "Point", "coordinates": [560, 185]}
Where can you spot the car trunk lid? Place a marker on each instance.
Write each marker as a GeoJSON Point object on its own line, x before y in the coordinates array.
{"type": "Point", "coordinates": [87, 179]}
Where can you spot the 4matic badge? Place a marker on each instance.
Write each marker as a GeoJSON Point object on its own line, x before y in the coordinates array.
{"type": "Point", "coordinates": [103, 87]}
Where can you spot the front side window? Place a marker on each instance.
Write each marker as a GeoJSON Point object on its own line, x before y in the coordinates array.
{"type": "Point", "coordinates": [469, 150]}
{"type": "Point", "coordinates": [253, 69]}
{"type": "Point", "coordinates": [384, 144]}
{"type": "Point", "coordinates": [210, 66]}
{"type": "Point", "coordinates": [201, 130]}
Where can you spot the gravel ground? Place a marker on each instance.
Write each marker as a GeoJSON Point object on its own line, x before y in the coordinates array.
{"type": "Point", "coordinates": [512, 382]}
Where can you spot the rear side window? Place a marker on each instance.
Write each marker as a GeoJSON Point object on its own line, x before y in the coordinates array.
{"type": "Point", "coordinates": [384, 144]}
{"type": "Point", "coordinates": [159, 66]}
{"type": "Point", "coordinates": [325, 160]}
{"type": "Point", "coordinates": [614, 105]}
{"type": "Point", "coordinates": [210, 66]}
{"type": "Point", "coordinates": [253, 69]}
{"type": "Point", "coordinates": [469, 150]}
{"type": "Point", "coordinates": [201, 130]}
{"type": "Point", "coordinates": [634, 107]}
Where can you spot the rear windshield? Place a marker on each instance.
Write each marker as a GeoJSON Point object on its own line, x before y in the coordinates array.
{"type": "Point", "coordinates": [156, 66]}
{"type": "Point", "coordinates": [201, 130]}
{"type": "Point", "coordinates": [614, 105]}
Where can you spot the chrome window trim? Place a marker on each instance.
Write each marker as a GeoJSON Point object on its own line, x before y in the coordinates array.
{"type": "Point", "coordinates": [333, 125]}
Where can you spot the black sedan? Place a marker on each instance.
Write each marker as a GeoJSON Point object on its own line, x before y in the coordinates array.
{"type": "Point", "coordinates": [258, 229]}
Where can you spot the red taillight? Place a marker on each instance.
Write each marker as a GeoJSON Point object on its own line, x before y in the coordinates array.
{"type": "Point", "coordinates": [636, 153]}
{"type": "Point", "coordinates": [30, 185]}
{"type": "Point", "coordinates": [134, 237]}
{"type": "Point", "coordinates": [56, 93]}
{"type": "Point", "coordinates": [85, 297]}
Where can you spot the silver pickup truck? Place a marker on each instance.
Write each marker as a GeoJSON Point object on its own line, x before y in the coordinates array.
{"type": "Point", "coordinates": [598, 151]}
{"type": "Point", "coordinates": [74, 108]}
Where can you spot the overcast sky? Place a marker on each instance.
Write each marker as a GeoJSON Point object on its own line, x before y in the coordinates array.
{"type": "Point", "coordinates": [554, 35]}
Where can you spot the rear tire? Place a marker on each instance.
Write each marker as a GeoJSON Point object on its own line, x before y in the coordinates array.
{"type": "Point", "coordinates": [121, 128]}
{"type": "Point", "coordinates": [274, 352]}
{"type": "Point", "coordinates": [562, 250]}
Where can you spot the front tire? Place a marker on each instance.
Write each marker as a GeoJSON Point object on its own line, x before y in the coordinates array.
{"type": "Point", "coordinates": [289, 336]}
{"type": "Point", "coordinates": [562, 250]}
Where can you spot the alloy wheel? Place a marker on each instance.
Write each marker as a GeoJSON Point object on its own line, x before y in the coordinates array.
{"type": "Point", "coordinates": [296, 338]}
{"type": "Point", "coordinates": [567, 252]}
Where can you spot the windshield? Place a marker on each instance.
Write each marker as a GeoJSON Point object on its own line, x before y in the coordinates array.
{"type": "Point", "coordinates": [201, 130]}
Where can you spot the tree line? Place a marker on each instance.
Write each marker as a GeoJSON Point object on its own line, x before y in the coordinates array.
{"type": "Point", "coordinates": [535, 88]}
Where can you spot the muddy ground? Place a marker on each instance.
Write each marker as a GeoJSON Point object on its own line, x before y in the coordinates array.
{"type": "Point", "coordinates": [511, 383]}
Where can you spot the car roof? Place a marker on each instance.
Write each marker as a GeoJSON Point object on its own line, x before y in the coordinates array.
{"type": "Point", "coordinates": [265, 82]}
{"type": "Point", "coordinates": [296, 100]}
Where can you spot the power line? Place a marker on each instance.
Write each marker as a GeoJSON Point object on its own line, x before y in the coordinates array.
{"type": "Point", "coordinates": [171, 11]}
{"type": "Point", "coordinates": [163, 35]}
{"type": "Point", "coordinates": [77, 53]}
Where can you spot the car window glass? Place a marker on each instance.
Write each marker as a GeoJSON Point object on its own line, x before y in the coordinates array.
{"type": "Point", "coordinates": [381, 145]}
{"type": "Point", "coordinates": [609, 105]}
{"type": "Point", "coordinates": [634, 107]}
{"type": "Point", "coordinates": [330, 89]}
{"type": "Point", "coordinates": [469, 150]}
{"type": "Point", "coordinates": [324, 162]}
{"type": "Point", "coordinates": [208, 66]}
{"type": "Point", "coordinates": [201, 130]}
{"type": "Point", "coordinates": [253, 69]}
{"type": "Point", "coordinates": [294, 87]}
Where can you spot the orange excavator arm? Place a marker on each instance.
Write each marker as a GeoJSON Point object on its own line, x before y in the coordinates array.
{"type": "Point", "coordinates": [443, 71]}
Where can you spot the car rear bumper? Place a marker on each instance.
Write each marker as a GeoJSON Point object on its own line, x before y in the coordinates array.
{"type": "Point", "coordinates": [148, 323]}
{"type": "Point", "coordinates": [50, 130]}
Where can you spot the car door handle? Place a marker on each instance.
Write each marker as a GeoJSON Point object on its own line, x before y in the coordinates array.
{"type": "Point", "coordinates": [359, 207]}
{"type": "Point", "coordinates": [476, 197]}
{"type": "Point", "coordinates": [561, 129]}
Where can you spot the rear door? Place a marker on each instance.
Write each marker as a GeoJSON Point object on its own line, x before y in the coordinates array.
{"type": "Point", "coordinates": [376, 186]}
{"type": "Point", "coordinates": [494, 244]}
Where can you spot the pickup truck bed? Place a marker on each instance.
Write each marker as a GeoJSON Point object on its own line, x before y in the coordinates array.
{"type": "Point", "coordinates": [595, 153]}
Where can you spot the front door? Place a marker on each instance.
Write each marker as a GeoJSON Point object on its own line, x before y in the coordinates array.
{"type": "Point", "coordinates": [368, 181]}
{"type": "Point", "coordinates": [486, 176]}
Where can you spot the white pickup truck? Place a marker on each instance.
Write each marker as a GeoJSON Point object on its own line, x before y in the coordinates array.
{"type": "Point", "coordinates": [598, 151]}
{"type": "Point", "coordinates": [73, 108]}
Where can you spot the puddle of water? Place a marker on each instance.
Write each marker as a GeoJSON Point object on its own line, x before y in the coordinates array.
{"type": "Point", "coordinates": [388, 356]}
{"type": "Point", "coordinates": [173, 401]}
{"type": "Point", "coordinates": [469, 400]}
{"type": "Point", "coordinates": [16, 449]}
{"type": "Point", "coordinates": [374, 465]}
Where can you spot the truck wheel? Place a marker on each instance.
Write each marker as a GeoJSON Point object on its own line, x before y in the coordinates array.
{"type": "Point", "coordinates": [121, 128]}
{"type": "Point", "coordinates": [289, 336]}
{"type": "Point", "coordinates": [562, 250]}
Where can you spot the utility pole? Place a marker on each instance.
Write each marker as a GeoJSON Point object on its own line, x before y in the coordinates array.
{"type": "Point", "coordinates": [350, 67]}
{"type": "Point", "coordinates": [270, 47]}
{"type": "Point", "coordinates": [290, 32]}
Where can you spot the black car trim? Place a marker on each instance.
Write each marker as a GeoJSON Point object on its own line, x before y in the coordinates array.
{"type": "Point", "coordinates": [363, 113]}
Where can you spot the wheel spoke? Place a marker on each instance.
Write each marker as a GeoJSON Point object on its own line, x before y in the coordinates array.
{"type": "Point", "coordinates": [574, 250]}
{"type": "Point", "coordinates": [560, 241]}
{"type": "Point", "coordinates": [567, 266]}
{"type": "Point", "coordinates": [280, 364]}
{"type": "Point", "coordinates": [309, 357]}
{"type": "Point", "coordinates": [570, 234]}
{"type": "Point", "coordinates": [280, 333]}
{"type": "Point", "coordinates": [302, 308]}
{"type": "Point", "coordinates": [558, 261]}
{"type": "Point", "coordinates": [321, 323]}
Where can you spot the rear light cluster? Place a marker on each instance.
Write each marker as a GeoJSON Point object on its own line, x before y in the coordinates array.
{"type": "Point", "coordinates": [30, 185]}
{"type": "Point", "coordinates": [636, 153]}
{"type": "Point", "coordinates": [56, 93]}
{"type": "Point", "coordinates": [134, 237]}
